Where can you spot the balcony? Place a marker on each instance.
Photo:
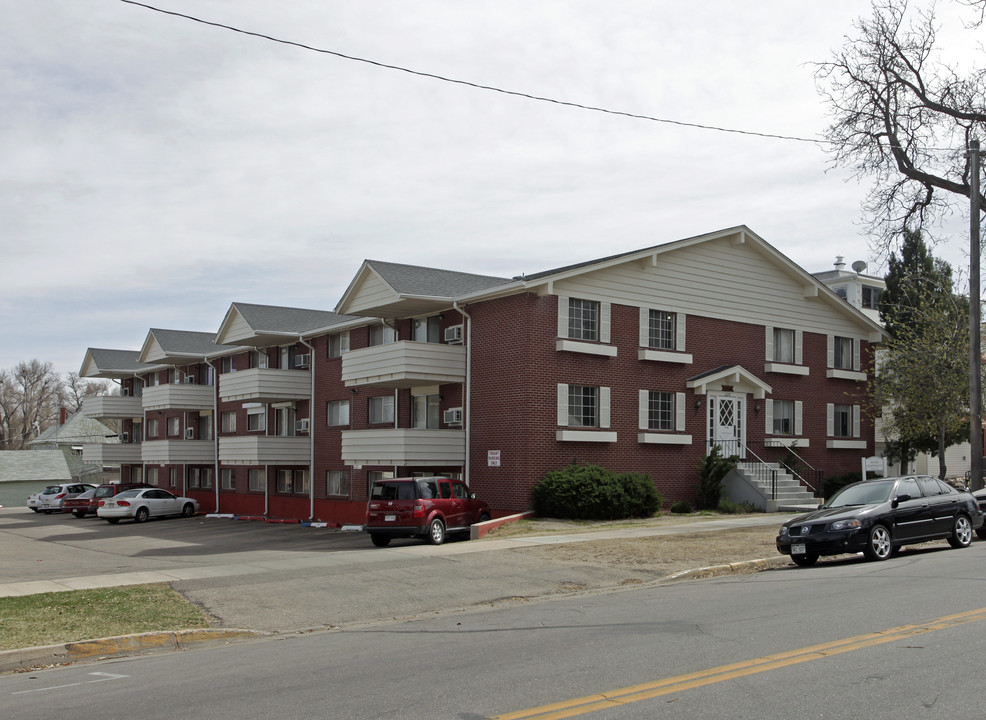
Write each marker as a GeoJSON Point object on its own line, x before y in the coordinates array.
{"type": "Point", "coordinates": [265, 385]}
{"type": "Point", "coordinates": [179, 396]}
{"type": "Point", "coordinates": [404, 364]}
{"type": "Point", "coordinates": [410, 447]}
{"type": "Point", "coordinates": [113, 406]}
{"type": "Point", "coordinates": [177, 452]}
{"type": "Point", "coordinates": [111, 454]}
{"type": "Point", "coordinates": [264, 450]}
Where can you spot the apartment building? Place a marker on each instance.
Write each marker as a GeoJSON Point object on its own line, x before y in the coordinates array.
{"type": "Point", "coordinates": [640, 361]}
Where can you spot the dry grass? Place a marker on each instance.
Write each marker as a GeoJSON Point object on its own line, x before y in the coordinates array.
{"type": "Point", "coordinates": [52, 618]}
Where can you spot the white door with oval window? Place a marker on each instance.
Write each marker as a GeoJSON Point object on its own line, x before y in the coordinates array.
{"type": "Point", "coordinates": [726, 426]}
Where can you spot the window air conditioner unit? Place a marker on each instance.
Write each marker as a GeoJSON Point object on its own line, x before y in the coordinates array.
{"type": "Point", "coordinates": [125, 437]}
{"type": "Point", "coordinates": [301, 361]}
{"type": "Point", "coordinates": [189, 433]}
{"type": "Point", "coordinates": [124, 391]}
{"type": "Point", "coordinates": [301, 425]}
{"type": "Point", "coordinates": [453, 416]}
{"type": "Point", "coordinates": [453, 335]}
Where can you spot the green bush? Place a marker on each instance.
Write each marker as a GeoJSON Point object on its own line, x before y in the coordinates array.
{"type": "Point", "coordinates": [589, 492]}
{"type": "Point", "coordinates": [682, 507]}
{"type": "Point", "coordinates": [711, 472]}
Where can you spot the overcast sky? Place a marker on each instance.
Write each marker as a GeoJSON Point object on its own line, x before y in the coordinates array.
{"type": "Point", "coordinates": [155, 169]}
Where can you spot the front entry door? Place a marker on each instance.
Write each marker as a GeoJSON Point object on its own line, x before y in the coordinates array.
{"type": "Point", "coordinates": [726, 426]}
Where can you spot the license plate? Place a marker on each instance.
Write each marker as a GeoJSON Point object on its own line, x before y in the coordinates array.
{"type": "Point", "coordinates": [798, 549]}
{"type": "Point", "coordinates": [392, 518]}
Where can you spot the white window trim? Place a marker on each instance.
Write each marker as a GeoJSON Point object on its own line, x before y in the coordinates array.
{"type": "Point", "coordinates": [650, 438]}
{"type": "Point", "coordinates": [605, 412]}
{"type": "Point", "coordinates": [645, 352]}
{"type": "Point", "coordinates": [768, 416]}
{"type": "Point", "coordinates": [605, 320]}
{"type": "Point", "coordinates": [579, 346]}
{"type": "Point", "coordinates": [596, 436]}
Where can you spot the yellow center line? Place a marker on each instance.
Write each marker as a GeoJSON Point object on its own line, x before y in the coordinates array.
{"type": "Point", "coordinates": [689, 681]}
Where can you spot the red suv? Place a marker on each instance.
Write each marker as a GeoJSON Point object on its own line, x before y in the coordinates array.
{"type": "Point", "coordinates": [430, 507]}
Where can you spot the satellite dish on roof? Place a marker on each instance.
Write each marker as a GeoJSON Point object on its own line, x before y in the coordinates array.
{"type": "Point", "coordinates": [859, 266]}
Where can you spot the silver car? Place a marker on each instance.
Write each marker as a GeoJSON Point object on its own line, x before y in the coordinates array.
{"type": "Point", "coordinates": [144, 504]}
{"type": "Point", "coordinates": [50, 499]}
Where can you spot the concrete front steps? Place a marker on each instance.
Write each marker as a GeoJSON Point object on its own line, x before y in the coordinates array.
{"type": "Point", "coordinates": [750, 482]}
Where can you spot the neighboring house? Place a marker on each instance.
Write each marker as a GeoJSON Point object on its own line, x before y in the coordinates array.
{"type": "Point", "coordinates": [863, 292]}
{"type": "Point", "coordinates": [69, 436]}
{"type": "Point", "coordinates": [25, 472]}
{"type": "Point", "coordinates": [640, 362]}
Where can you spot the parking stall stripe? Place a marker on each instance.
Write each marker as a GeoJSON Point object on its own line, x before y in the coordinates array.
{"type": "Point", "coordinates": [681, 683]}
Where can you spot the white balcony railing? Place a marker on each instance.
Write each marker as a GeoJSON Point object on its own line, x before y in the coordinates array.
{"type": "Point", "coordinates": [404, 364]}
{"type": "Point", "coordinates": [404, 446]}
{"type": "Point", "coordinates": [174, 452]}
{"type": "Point", "coordinates": [111, 454]}
{"type": "Point", "coordinates": [264, 450]}
{"type": "Point", "coordinates": [113, 406]}
{"type": "Point", "coordinates": [179, 396]}
{"type": "Point", "coordinates": [265, 385]}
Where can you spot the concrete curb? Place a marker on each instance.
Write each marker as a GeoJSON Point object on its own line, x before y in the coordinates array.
{"type": "Point", "coordinates": [62, 654]}
{"type": "Point", "coordinates": [737, 567]}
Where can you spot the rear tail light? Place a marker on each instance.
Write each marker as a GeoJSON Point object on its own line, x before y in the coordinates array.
{"type": "Point", "coordinates": [60, 496]}
{"type": "Point", "coordinates": [101, 503]}
{"type": "Point", "coordinates": [123, 503]}
{"type": "Point", "coordinates": [419, 511]}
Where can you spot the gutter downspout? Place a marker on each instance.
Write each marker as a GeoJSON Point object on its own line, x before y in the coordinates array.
{"type": "Point", "coordinates": [311, 431]}
{"type": "Point", "coordinates": [468, 389]}
{"type": "Point", "coordinates": [215, 427]}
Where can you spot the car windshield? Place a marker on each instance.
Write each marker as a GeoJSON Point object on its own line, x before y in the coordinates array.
{"type": "Point", "coordinates": [51, 489]}
{"type": "Point", "coordinates": [104, 491]}
{"type": "Point", "coordinates": [868, 493]}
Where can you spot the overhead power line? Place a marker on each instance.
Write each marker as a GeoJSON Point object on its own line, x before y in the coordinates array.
{"type": "Point", "coordinates": [479, 86]}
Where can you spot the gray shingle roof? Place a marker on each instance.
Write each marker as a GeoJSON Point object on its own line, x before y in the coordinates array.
{"type": "Point", "coordinates": [78, 429]}
{"type": "Point", "coordinates": [271, 318]}
{"type": "Point", "coordinates": [34, 465]}
{"type": "Point", "coordinates": [431, 282]}
{"type": "Point", "coordinates": [117, 361]}
{"type": "Point", "coordinates": [188, 342]}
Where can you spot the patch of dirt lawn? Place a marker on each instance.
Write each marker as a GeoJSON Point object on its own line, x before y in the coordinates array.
{"type": "Point", "coordinates": [656, 556]}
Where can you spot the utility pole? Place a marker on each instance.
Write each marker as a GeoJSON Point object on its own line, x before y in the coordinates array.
{"type": "Point", "coordinates": [975, 320]}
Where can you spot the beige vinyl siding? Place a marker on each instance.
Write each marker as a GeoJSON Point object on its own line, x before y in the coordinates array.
{"type": "Point", "coordinates": [371, 293]}
{"type": "Point", "coordinates": [237, 330]}
{"type": "Point", "coordinates": [716, 279]}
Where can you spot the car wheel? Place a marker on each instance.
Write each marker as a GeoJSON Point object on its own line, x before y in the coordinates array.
{"type": "Point", "coordinates": [141, 515]}
{"type": "Point", "coordinates": [46, 512]}
{"type": "Point", "coordinates": [485, 517]}
{"type": "Point", "coordinates": [35, 510]}
{"type": "Point", "coordinates": [980, 533]}
{"type": "Point", "coordinates": [436, 532]}
{"type": "Point", "coordinates": [879, 545]}
{"type": "Point", "coordinates": [79, 513]}
{"type": "Point", "coordinates": [380, 540]}
{"type": "Point", "coordinates": [188, 510]}
{"type": "Point", "coordinates": [961, 533]}
{"type": "Point", "coordinates": [806, 560]}
{"type": "Point", "coordinates": [112, 521]}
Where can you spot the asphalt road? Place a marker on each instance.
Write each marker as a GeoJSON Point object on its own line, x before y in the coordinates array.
{"type": "Point", "coordinates": [899, 639]}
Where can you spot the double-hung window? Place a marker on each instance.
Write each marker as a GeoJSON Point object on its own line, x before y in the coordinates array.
{"type": "Point", "coordinates": [842, 421]}
{"type": "Point", "coordinates": [381, 335]}
{"type": "Point", "coordinates": [284, 421]}
{"type": "Point", "coordinates": [228, 422]}
{"type": "Point", "coordinates": [661, 330]}
{"type": "Point", "coordinates": [338, 413]}
{"type": "Point", "coordinates": [174, 426]}
{"type": "Point", "coordinates": [228, 479]}
{"type": "Point", "coordinates": [583, 319]}
{"type": "Point", "coordinates": [256, 482]}
{"type": "Point", "coordinates": [660, 411]}
{"type": "Point", "coordinates": [256, 417]}
{"type": "Point", "coordinates": [338, 344]}
{"type": "Point", "coordinates": [783, 420]}
{"type": "Point", "coordinates": [382, 409]}
{"type": "Point", "coordinates": [337, 482]}
{"type": "Point", "coordinates": [783, 346]}
{"type": "Point", "coordinates": [425, 411]}
{"type": "Point", "coordinates": [842, 358]}
{"type": "Point", "coordinates": [583, 406]}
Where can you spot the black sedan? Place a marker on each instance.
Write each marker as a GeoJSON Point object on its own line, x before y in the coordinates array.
{"type": "Point", "coordinates": [878, 517]}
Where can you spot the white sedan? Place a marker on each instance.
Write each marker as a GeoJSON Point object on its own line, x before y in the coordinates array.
{"type": "Point", "coordinates": [145, 503]}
